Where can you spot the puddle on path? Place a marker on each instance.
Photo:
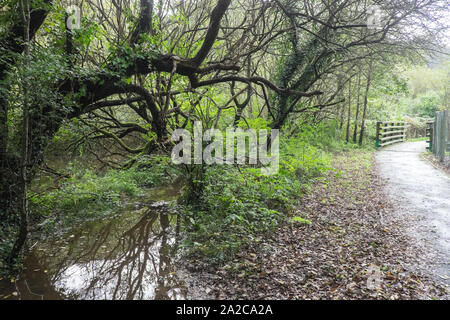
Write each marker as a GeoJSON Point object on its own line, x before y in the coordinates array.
{"type": "Point", "coordinates": [130, 256]}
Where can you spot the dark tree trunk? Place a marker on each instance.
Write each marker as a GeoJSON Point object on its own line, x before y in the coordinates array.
{"type": "Point", "coordinates": [341, 106]}
{"type": "Point", "coordinates": [355, 131]}
{"type": "Point", "coordinates": [10, 189]}
{"type": "Point", "coordinates": [240, 107]}
{"type": "Point", "coordinates": [349, 113]}
{"type": "Point", "coordinates": [366, 97]}
{"type": "Point", "coordinates": [342, 116]}
{"type": "Point", "coordinates": [12, 45]}
{"type": "Point", "coordinates": [4, 132]}
{"type": "Point", "coordinates": [23, 180]}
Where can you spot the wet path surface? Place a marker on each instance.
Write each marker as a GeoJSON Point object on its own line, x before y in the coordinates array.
{"type": "Point", "coordinates": [421, 194]}
{"type": "Point", "coordinates": [129, 256]}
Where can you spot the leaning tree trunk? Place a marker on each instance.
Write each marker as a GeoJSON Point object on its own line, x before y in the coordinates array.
{"type": "Point", "coordinates": [366, 97]}
{"type": "Point", "coordinates": [341, 106]}
{"type": "Point", "coordinates": [240, 107]}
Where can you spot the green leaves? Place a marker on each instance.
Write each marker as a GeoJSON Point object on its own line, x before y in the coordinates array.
{"type": "Point", "coordinates": [86, 194]}
{"type": "Point", "coordinates": [239, 205]}
{"type": "Point", "coordinates": [301, 220]}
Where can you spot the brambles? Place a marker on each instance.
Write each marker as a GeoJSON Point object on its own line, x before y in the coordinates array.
{"type": "Point", "coordinates": [238, 205]}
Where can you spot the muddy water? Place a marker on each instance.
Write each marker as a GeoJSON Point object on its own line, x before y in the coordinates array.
{"type": "Point", "coordinates": [130, 256]}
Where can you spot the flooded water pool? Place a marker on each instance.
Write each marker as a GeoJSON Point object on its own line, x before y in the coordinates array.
{"type": "Point", "coordinates": [130, 256]}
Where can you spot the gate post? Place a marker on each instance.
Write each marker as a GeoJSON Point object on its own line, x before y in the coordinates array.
{"type": "Point", "coordinates": [436, 134]}
{"type": "Point", "coordinates": [430, 134]}
{"type": "Point", "coordinates": [377, 143]}
{"type": "Point", "coordinates": [441, 134]}
{"type": "Point", "coordinates": [444, 137]}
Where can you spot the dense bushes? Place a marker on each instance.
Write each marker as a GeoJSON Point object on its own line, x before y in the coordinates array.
{"type": "Point", "coordinates": [6, 245]}
{"type": "Point", "coordinates": [235, 207]}
{"type": "Point", "coordinates": [239, 204]}
{"type": "Point", "coordinates": [87, 195]}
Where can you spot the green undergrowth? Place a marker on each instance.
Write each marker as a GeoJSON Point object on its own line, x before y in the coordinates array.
{"type": "Point", "coordinates": [417, 139]}
{"type": "Point", "coordinates": [87, 195]}
{"type": "Point", "coordinates": [328, 136]}
{"type": "Point", "coordinates": [239, 204]}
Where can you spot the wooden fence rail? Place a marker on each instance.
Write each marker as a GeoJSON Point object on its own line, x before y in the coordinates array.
{"type": "Point", "coordinates": [389, 132]}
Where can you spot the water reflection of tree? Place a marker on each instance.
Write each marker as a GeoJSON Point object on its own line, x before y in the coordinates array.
{"type": "Point", "coordinates": [115, 264]}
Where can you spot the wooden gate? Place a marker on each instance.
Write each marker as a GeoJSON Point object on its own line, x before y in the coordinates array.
{"type": "Point", "coordinates": [389, 132]}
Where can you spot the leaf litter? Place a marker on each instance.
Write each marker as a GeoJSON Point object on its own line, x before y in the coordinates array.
{"type": "Point", "coordinates": [354, 247]}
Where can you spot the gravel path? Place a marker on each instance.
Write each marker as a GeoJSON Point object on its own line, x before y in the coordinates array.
{"type": "Point", "coordinates": [421, 195]}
